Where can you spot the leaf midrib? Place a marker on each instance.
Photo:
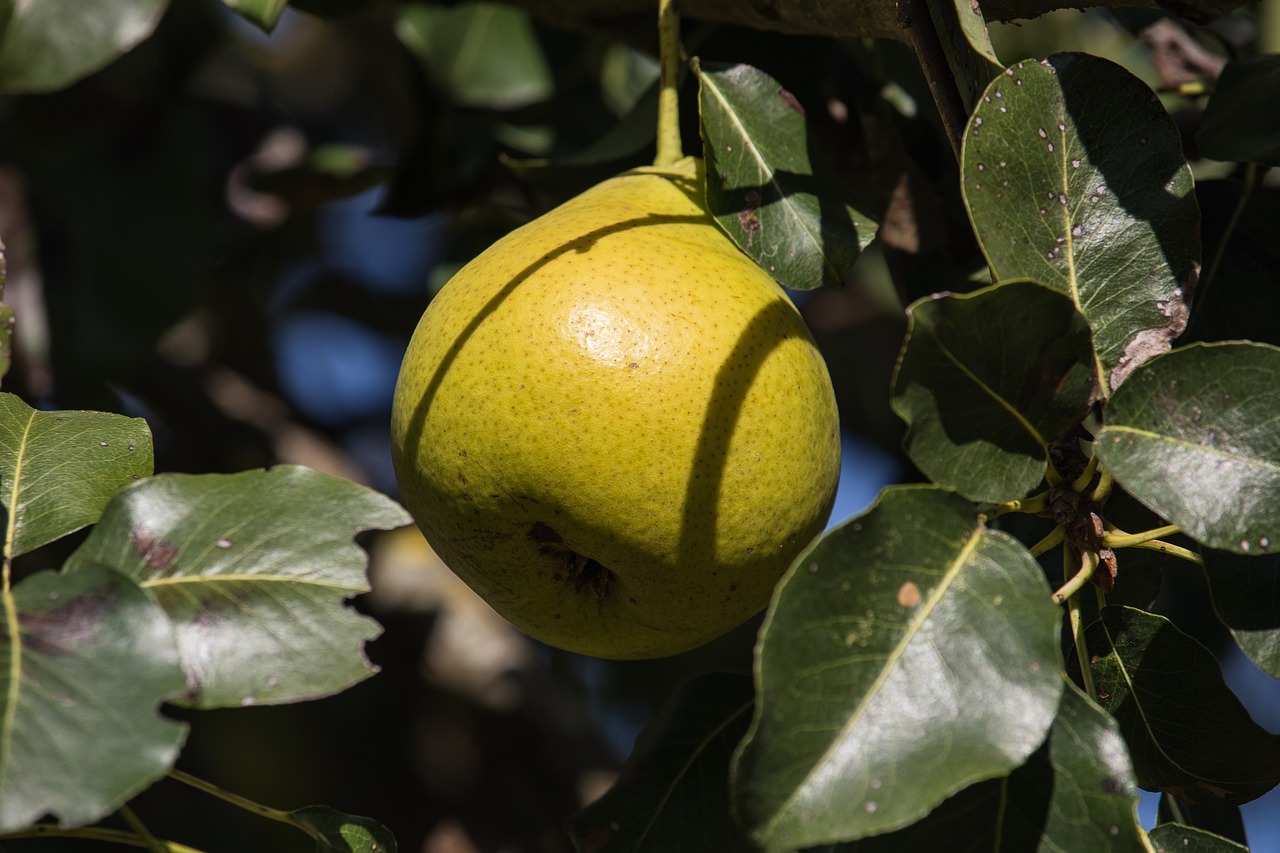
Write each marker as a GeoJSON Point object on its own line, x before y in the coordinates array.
{"type": "Point", "coordinates": [14, 664]}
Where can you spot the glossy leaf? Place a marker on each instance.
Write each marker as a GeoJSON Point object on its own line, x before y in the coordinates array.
{"type": "Point", "coordinates": [59, 469]}
{"type": "Point", "coordinates": [234, 558]}
{"type": "Point", "coordinates": [1074, 176]}
{"type": "Point", "coordinates": [1237, 125]}
{"type": "Point", "coordinates": [987, 380]}
{"type": "Point", "coordinates": [50, 44]}
{"type": "Point", "coordinates": [1246, 596]}
{"type": "Point", "coordinates": [908, 654]}
{"type": "Point", "coordinates": [1172, 838]}
{"type": "Point", "coordinates": [336, 832]}
{"type": "Point", "coordinates": [1074, 793]}
{"type": "Point", "coordinates": [1188, 734]}
{"type": "Point", "coordinates": [1194, 436]}
{"type": "Point", "coordinates": [264, 14]}
{"type": "Point", "coordinates": [85, 667]}
{"type": "Point", "coordinates": [673, 794]}
{"type": "Point", "coordinates": [479, 54]}
{"type": "Point", "coordinates": [767, 184]}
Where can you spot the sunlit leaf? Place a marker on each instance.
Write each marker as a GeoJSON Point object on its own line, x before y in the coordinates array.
{"type": "Point", "coordinates": [987, 381]}
{"type": "Point", "coordinates": [59, 469]}
{"type": "Point", "coordinates": [261, 13]}
{"type": "Point", "coordinates": [1188, 734]}
{"type": "Point", "coordinates": [50, 44]}
{"type": "Point", "coordinates": [673, 794]}
{"type": "Point", "coordinates": [967, 46]}
{"type": "Point", "coordinates": [253, 569]}
{"type": "Point", "coordinates": [336, 832]}
{"type": "Point", "coordinates": [480, 54]}
{"type": "Point", "coordinates": [908, 654]}
{"type": "Point", "coordinates": [1194, 436]}
{"type": "Point", "coordinates": [1236, 126]}
{"type": "Point", "coordinates": [1074, 176]}
{"type": "Point", "coordinates": [1172, 838]}
{"type": "Point", "coordinates": [768, 185]}
{"type": "Point", "coordinates": [85, 667]}
{"type": "Point", "coordinates": [1246, 596]}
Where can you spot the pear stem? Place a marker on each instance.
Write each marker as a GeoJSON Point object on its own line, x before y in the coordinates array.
{"type": "Point", "coordinates": [670, 148]}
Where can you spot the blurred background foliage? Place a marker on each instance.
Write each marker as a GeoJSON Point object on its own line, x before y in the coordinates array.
{"type": "Point", "coordinates": [233, 234]}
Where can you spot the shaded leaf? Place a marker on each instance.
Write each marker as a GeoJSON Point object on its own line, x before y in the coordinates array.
{"type": "Point", "coordinates": [1224, 821]}
{"type": "Point", "coordinates": [84, 669]}
{"type": "Point", "coordinates": [1076, 792]}
{"type": "Point", "coordinates": [331, 8]}
{"type": "Point", "coordinates": [967, 45]}
{"type": "Point", "coordinates": [336, 832]}
{"type": "Point", "coordinates": [907, 654]}
{"type": "Point", "coordinates": [59, 469]}
{"type": "Point", "coordinates": [52, 43]}
{"type": "Point", "coordinates": [1188, 734]}
{"type": "Point", "coordinates": [1194, 436]}
{"type": "Point", "coordinates": [480, 54]}
{"type": "Point", "coordinates": [1238, 125]}
{"type": "Point", "coordinates": [673, 793]}
{"type": "Point", "coordinates": [987, 380]}
{"type": "Point", "coordinates": [1074, 176]}
{"type": "Point", "coordinates": [1172, 838]}
{"type": "Point", "coordinates": [264, 14]}
{"type": "Point", "coordinates": [233, 558]}
{"type": "Point", "coordinates": [1246, 596]}
{"type": "Point", "coordinates": [767, 184]}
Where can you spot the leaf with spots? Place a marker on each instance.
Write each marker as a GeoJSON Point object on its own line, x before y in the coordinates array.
{"type": "Point", "coordinates": [768, 185]}
{"type": "Point", "coordinates": [88, 657]}
{"type": "Point", "coordinates": [59, 469]}
{"type": "Point", "coordinates": [1073, 175]}
{"type": "Point", "coordinates": [1188, 734]}
{"type": "Point", "coordinates": [908, 653]}
{"type": "Point", "coordinates": [335, 832]}
{"type": "Point", "coordinates": [987, 381]}
{"type": "Point", "coordinates": [254, 569]}
{"type": "Point", "coordinates": [1194, 435]}
{"type": "Point", "coordinates": [673, 793]}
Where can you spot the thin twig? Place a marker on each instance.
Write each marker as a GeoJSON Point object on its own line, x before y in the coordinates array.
{"type": "Point", "coordinates": [924, 40]}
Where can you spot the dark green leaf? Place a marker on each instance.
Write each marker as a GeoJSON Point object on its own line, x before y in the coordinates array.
{"type": "Point", "coordinates": [767, 184]}
{"type": "Point", "coordinates": [1226, 821]}
{"type": "Point", "coordinates": [1194, 436]}
{"type": "Point", "coordinates": [330, 8]}
{"type": "Point", "coordinates": [909, 653]}
{"type": "Point", "coordinates": [1188, 734]}
{"type": "Point", "coordinates": [673, 794]}
{"type": "Point", "coordinates": [336, 832]}
{"type": "Point", "coordinates": [1074, 176]}
{"type": "Point", "coordinates": [987, 381]}
{"type": "Point", "coordinates": [233, 559]}
{"type": "Point", "coordinates": [50, 44]}
{"type": "Point", "coordinates": [1240, 122]}
{"type": "Point", "coordinates": [967, 45]}
{"type": "Point", "coordinates": [1246, 596]}
{"type": "Point", "coordinates": [84, 669]}
{"type": "Point", "coordinates": [264, 14]}
{"type": "Point", "coordinates": [59, 469]}
{"type": "Point", "coordinates": [1076, 792]}
{"type": "Point", "coordinates": [1172, 838]}
{"type": "Point", "coordinates": [480, 54]}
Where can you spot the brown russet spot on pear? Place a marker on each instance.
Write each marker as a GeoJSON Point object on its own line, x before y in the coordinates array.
{"type": "Point", "coordinates": [614, 426]}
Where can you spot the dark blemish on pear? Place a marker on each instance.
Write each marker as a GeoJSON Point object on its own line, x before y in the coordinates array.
{"type": "Point", "coordinates": [587, 575]}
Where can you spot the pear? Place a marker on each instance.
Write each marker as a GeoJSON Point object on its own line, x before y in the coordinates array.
{"type": "Point", "coordinates": [614, 426]}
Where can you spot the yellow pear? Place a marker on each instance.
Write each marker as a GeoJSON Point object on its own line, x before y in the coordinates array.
{"type": "Point", "coordinates": [614, 426]}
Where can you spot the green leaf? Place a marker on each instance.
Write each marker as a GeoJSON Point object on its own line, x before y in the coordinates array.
{"type": "Point", "coordinates": [59, 469]}
{"type": "Point", "coordinates": [907, 654]}
{"type": "Point", "coordinates": [1076, 792]}
{"type": "Point", "coordinates": [50, 44]}
{"type": "Point", "coordinates": [987, 380]}
{"type": "Point", "coordinates": [264, 14]}
{"type": "Point", "coordinates": [480, 54]}
{"type": "Point", "coordinates": [336, 832]}
{"type": "Point", "coordinates": [1173, 838]}
{"type": "Point", "coordinates": [1194, 436]}
{"type": "Point", "coordinates": [88, 657]}
{"type": "Point", "coordinates": [673, 794]}
{"type": "Point", "coordinates": [967, 46]}
{"type": "Point", "coordinates": [768, 185]}
{"type": "Point", "coordinates": [1237, 125]}
{"type": "Point", "coordinates": [253, 570]}
{"type": "Point", "coordinates": [331, 8]}
{"type": "Point", "coordinates": [1074, 176]}
{"type": "Point", "coordinates": [1246, 596]}
{"type": "Point", "coordinates": [1188, 734]}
